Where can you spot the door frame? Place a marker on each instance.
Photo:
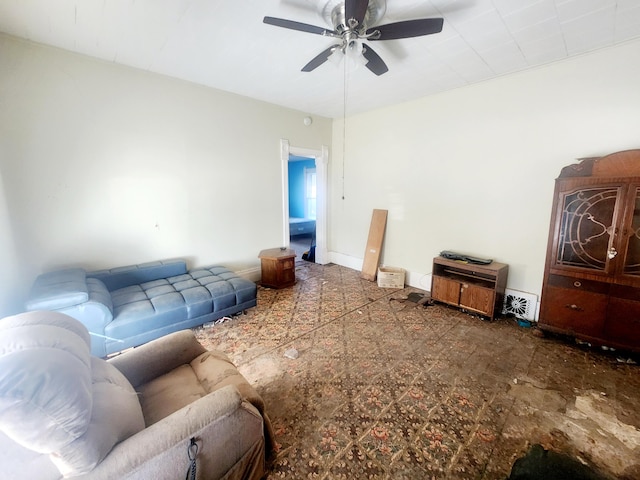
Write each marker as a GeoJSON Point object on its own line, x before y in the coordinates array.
{"type": "Point", "coordinates": [321, 158]}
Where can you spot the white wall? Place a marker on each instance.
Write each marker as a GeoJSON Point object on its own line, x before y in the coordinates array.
{"type": "Point", "coordinates": [9, 267]}
{"type": "Point", "coordinates": [105, 165]}
{"type": "Point", "coordinates": [473, 169]}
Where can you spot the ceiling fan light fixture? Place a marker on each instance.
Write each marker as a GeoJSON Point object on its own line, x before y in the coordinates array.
{"type": "Point", "coordinates": [354, 47]}
{"type": "Point", "coordinates": [354, 54]}
{"type": "Point", "coordinates": [336, 57]}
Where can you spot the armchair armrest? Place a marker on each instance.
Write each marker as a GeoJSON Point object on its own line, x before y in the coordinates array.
{"type": "Point", "coordinates": [225, 427]}
{"type": "Point", "coordinates": [153, 359]}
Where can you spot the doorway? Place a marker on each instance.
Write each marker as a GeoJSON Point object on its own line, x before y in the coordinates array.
{"type": "Point", "coordinates": [302, 206]}
{"type": "Point", "coordinates": [304, 181]}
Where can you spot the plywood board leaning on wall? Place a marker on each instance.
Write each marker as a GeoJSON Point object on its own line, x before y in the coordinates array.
{"type": "Point", "coordinates": [374, 245]}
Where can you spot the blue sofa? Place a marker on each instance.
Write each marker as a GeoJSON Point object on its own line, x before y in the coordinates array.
{"type": "Point", "coordinates": [128, 306]}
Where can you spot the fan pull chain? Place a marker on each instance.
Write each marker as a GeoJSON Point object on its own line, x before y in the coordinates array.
{"type": "Point", "coordinates": [344, 121]}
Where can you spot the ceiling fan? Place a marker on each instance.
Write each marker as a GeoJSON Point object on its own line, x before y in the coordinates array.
{"type": "Point", "coordinates": [354, 21]}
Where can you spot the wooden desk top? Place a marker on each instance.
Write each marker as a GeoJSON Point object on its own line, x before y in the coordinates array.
{"type": "Point", "coordinates": [276, 253]}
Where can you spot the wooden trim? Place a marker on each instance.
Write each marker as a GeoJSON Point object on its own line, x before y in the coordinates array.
{"type": "Point", "coordinates": [620, 164]}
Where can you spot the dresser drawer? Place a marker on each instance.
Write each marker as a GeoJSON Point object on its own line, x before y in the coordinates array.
{"type": "Point", "coordinates": [572, 283]}
{"type": "Point", "coordinates": [573, 310]}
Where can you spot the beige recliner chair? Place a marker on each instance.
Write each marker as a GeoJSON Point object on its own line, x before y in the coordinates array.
{"type": "Point", "coordinates": [65, 414]}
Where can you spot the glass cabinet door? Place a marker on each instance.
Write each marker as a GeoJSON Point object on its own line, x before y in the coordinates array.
{"type": "Point", "coordinates": [631, 231]}
{"type": "Point", "coordinates": [586, 225]}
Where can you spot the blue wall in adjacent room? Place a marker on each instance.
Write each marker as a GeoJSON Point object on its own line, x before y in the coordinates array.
{"type": "Point", "coordinates": [296, 186]}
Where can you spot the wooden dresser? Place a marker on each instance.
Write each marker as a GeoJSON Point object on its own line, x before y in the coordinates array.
{"type": "Point", "coordinates": [591, 287]}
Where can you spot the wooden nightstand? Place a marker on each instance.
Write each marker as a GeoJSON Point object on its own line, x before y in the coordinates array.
{"type": "Point", "coordinates": [278, 267]}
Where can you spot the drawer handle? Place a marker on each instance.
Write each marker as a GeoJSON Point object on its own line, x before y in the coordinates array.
{"type": "Point", "coordinates": [573, 307]}
{"type": "Point", "coordinates": [577, 284]}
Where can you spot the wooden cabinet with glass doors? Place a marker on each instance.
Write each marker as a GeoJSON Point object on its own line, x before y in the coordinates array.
{"type": "Point", "coordinates": [591, 286]}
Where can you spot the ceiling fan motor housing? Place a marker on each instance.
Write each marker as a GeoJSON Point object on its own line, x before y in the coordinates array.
{"type": "Point", "coordinates": [334, 12]}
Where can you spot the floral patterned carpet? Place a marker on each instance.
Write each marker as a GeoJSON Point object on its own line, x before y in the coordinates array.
{"type": "Point", "coordinates": [388, 388]}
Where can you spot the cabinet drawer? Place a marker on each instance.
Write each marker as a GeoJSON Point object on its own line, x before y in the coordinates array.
{"type": "Point", "coordinates": [578, 284]}
{"type": "Point", "coordinates": [573, 311]}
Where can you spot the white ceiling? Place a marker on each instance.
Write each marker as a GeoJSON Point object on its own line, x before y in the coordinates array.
{"type": "Point", "coordinates": [224, 44]}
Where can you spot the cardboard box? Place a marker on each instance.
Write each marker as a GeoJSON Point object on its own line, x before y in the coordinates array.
{"type": "Point", "coordinates": [390, 277]}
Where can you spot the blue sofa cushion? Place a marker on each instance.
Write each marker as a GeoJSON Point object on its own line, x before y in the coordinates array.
{"type": "Point", "coordinates": [121, 277]}
{"type": "Point", "coordinates": [58, 289]}
{"type": "Point", "coordinates": [190, 295]}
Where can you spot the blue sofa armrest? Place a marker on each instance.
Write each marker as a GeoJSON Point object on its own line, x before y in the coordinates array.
{"type": "Point", "coordinates": [58, 289]}
{"type": "Point", "coordinates": [86, 299]}
{"type": "Point", "coordinates": [121, 277]}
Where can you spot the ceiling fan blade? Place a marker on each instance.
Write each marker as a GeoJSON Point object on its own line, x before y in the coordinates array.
{"type": "Point", "coordinates": [355, 9]}
{"type": "Point", "coordinates": [320, 59]}
{"type": "Point", "coordinates": [374, 62]}
{"type": "Point", "coordinates": [407, 29]}
{"type": "Point", "coordinates": [302, 27]}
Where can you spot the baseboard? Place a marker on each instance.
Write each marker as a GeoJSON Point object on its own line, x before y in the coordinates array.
{"type": "Point", "coordinates": [418, 280]}
{"type": "Point", "coordinates": [252, 274]}
{"type": "Point", "coordinates": [346, 260]}
{"type": "Point", "coordinates": [411, 279]}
